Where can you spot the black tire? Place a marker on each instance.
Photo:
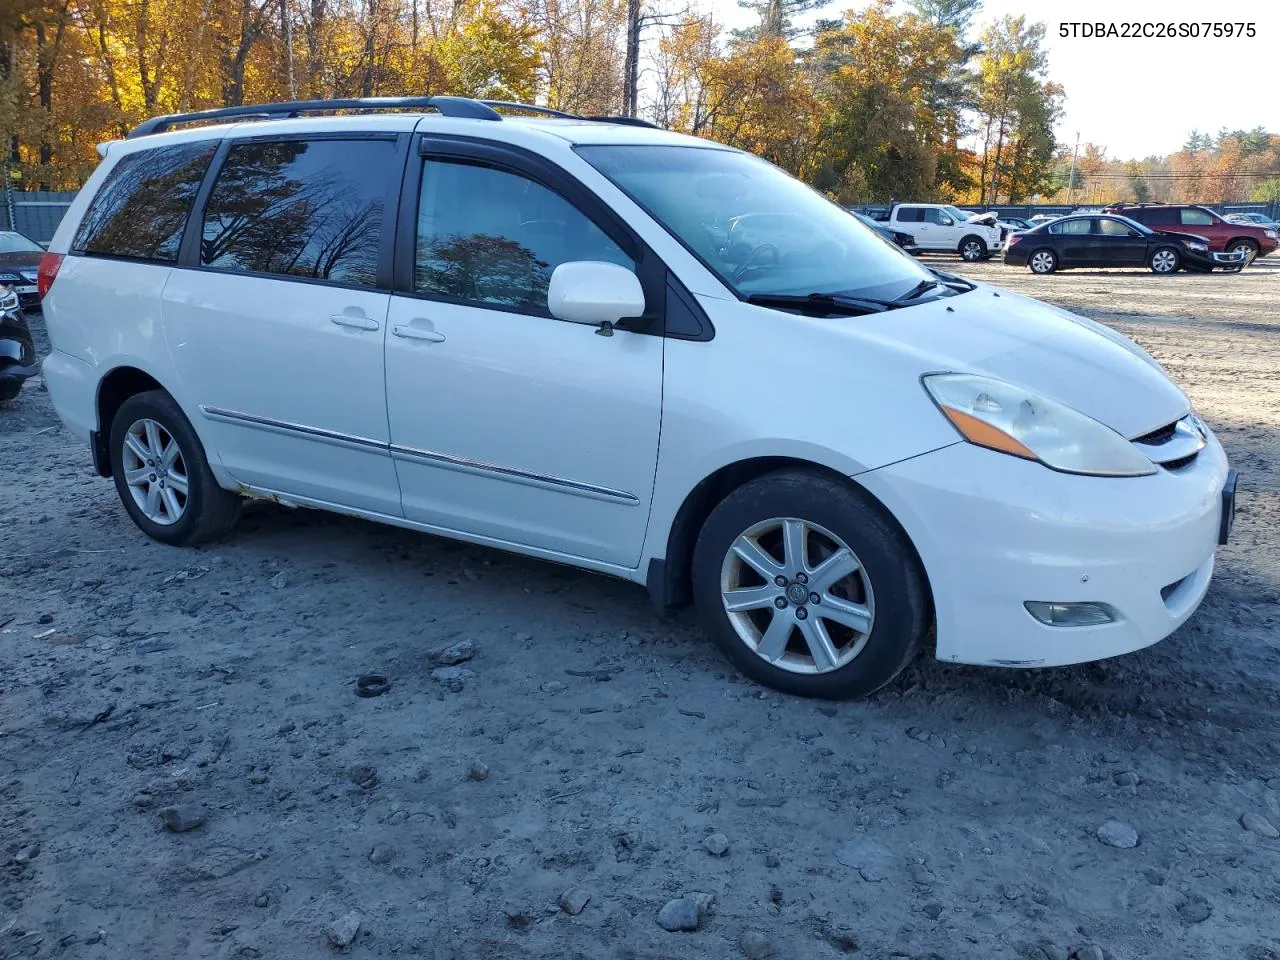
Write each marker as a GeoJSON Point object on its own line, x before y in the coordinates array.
{"type": "Point", "coordinates": [1249, 248]}
{"type": "Point", "coordinates": [9, 390]}
{"type": "Point", "coordinates": [972, 249]}
{"type": "Point", "coordinates": [901, 600]}
{"type": "Point", "coordinates": [1158, 258]}
{"type": "Point", "coordinates": [209, 511]}
{"type": "Point", "coordinates": [1052, 261]}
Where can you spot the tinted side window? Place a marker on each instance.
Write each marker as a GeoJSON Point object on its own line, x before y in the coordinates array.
{"type": "Point", "coordinates": [300, 208]}
{"type": "Point", "coordinates": [493, 236]}
{"type": "Point", "coordinates": [1198, 218]}
{"type": "Point", "coordinates": [1112, 228]}
{"type": "Point", "coordinates": [910, 215]}
{"type": "Point", "coordinates": [142, 206]}
{"type": "Point", "coordinates": [1153, 217]}
{"type": "Point", "coordinates": [1072, 227]}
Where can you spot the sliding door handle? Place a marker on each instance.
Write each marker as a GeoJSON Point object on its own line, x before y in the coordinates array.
{"type": "Point", "coordinates": [408, 332]}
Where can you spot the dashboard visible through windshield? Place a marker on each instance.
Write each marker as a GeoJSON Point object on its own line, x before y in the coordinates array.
{"type": "Point", "coordinates": [763, 232]}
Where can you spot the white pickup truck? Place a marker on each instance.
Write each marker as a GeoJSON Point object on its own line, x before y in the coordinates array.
{"type": "Point", "coordinates": [940, 227]}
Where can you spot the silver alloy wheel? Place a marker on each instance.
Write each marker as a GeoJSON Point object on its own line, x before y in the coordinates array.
{"type": "Point", "coordinates": [797, 596]}
{"type": "Point", "coordinates": [1042, 262]}
{"type": "Point", "coordinates": [971, 251]}
{"type": "Point", "coordinates": [1247, 250]}
{"type": "Point", "coordinates": [155, 472]}
{"type": "Point", "coordinates": [1164, 261]}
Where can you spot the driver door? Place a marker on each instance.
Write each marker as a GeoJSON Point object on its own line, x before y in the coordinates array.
{"type": "Point", "coordinates": [508, 425]}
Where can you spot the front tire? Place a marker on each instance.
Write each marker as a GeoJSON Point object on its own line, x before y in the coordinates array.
{"type": "Point", "coordinates": [9, 390]}
{"type": "Point", "coordinates": [162, 475]}
{"type": "Point", "coordinates": [1165, 260]}
{"type": "Point", "coordinates": [807, 587]}
{"type": "Point", "coordinates": [1043, 261]}
{"type": "Point", "coordinates": [1247, 247]}
{"type": "Point", "coordinates": [972, 249]}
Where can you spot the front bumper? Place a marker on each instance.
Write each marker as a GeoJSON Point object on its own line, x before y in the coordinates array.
{"type": "Point", "coordinates": [1213, 260]}
{"type": "Point", "coordinates": [994, 531]}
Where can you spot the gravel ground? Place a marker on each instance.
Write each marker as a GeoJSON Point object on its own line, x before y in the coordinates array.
{"type": "Point", "coordinates": [188, 771]}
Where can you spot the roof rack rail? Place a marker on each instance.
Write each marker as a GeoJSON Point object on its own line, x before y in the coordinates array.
{"type": "Point", "coordinates": [627, 121]}
{"type": "Point", "coordinates": [461, 107]}
{"type": "Point", "coordinates": [531, 108]}
{"type": "Point", "coordinates": [448, 106]}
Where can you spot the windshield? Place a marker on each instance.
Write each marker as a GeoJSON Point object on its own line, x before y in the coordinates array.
{"type": "Point", "coordinates": [761, 231]}
{"type": "Point", "coordinates": [1140, 227]}
{"type": "Point", "coordinates": [956, 214]}
{"type": "Point", "coordinates": [17, 243]}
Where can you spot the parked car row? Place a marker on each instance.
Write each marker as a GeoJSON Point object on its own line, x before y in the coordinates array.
{"type": "Point", "coordinates": [1165, 238]}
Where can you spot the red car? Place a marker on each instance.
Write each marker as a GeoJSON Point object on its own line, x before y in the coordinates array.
{"type": "Point", "coordinates": [1253, 240]}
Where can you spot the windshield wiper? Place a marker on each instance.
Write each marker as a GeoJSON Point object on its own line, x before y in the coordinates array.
{"type": "Point", "coordinates": [924, 286]}
{"type": "Point", "coordinates": [830, 302]}
{"type": "Point", "coordinates": [952, 281]}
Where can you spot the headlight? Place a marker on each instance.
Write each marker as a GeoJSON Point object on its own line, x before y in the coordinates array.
{"type": "Point", "coordinates": [1003, 417]}
{"type": "Point", "coordinates": [30, 275]}
{"type": "Point", "coordinates": [1192, 245]}
{"type": "Point", "coordinates": [1271, 234]}
{"type": "Point", "coordinates": [8, 299]}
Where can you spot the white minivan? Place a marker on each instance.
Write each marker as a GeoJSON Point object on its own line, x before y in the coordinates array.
{"type": "Point", "coordinates": [644, 354]}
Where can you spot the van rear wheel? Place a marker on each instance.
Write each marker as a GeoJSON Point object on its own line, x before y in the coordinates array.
{"type": "Point", "coordinates": [807, 587]}
{"type": "Point", "coordinates": [162, 475]}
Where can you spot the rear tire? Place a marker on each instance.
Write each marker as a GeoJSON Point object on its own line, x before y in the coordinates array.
{"type": "Point", "coordinates": [867, 622]}
{"type": "Point", "coordinates": [1165, 261]}
{"type": "Point", "coordinates": [10, 390]}
{"type": "Point", "coordinates": [972, 249]}
{"type": "Point", "coordinates": [155, 453]}
{"type": "Point", "coordinates": [1043, 261]}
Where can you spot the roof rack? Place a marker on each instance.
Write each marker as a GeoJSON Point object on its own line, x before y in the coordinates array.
{"type": "Point", "coordinates": [448, 106]}
{"type": "Point", "coordinates": [626, 121]}
{"type": "Point", "coordinates": [461, 107]}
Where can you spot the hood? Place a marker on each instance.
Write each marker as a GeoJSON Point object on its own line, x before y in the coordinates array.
{"type": "Point", "coordinates": [1069, 358]}
{"type": "Point", "coordinates": [988, 218]}
{"type": "Point", "coordinates": [23, 260]}
{"type": "Point", "coordinates": [1184, 236]}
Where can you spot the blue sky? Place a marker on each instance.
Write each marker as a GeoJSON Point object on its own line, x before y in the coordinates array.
{"type": "Point", "coordinates": [1139, 97]}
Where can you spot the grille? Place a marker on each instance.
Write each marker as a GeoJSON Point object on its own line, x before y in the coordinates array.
{"type": "Point", "coordinates": [1156, 437]}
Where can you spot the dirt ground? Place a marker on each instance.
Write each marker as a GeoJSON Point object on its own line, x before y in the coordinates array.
{"type": "Point", "coordinates": [593, 748]}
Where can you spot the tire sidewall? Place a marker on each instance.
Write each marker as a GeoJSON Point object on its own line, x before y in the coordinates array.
{"type": "Point", "coordinates": [902, 610]}
{"type": "Point", "coordinates": [1052, 266]}
{"type": "Point", "coordinates": [164, 411]}
{"type": "Point", "coordinates": [1177, 261]}
{"type": "Point", "coordinates": [982, 249]}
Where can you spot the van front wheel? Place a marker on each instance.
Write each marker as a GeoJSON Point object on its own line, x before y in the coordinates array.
{"type": "Point", "coordinates": [807, 586]}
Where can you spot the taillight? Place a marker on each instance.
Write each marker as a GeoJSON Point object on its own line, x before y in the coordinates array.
{"type": "Point", "coordinates": [1014, 238]}
{"type": "Point", "coordinates": [48, 271]}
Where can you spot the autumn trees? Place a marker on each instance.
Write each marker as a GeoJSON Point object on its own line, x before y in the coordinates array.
{"type": "Point", "coordinates": [888, 100]}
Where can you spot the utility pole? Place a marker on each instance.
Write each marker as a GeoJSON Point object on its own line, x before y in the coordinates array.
{"type": "Point", "coordinates": [1070, 179]}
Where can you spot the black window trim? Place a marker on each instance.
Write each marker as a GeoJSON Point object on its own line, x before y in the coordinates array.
{"type": "Point", "coordinates": [79, 251]}
{"type": "Point", "coordinates": [653, 274]}
{"type": "Point", "coordinates": [189, 252]}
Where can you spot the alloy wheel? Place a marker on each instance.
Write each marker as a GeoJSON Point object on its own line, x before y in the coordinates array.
{"type": "Point", "coordinates": [971, 251]}
{"type": "Point", "coordinates": [155, 472]}
{"type": "Point", "coordinates": [1246, 249]}
{"type": "Point", "coordinates": [1164, 261]}
{"type": "Point", "coordinates": [1042, 261]}
{"type": "Point", "coordinates": [797, 596]}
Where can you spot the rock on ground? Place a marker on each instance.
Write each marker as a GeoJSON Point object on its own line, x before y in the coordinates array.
{"type": "Point", "coordinates": [341, 933]}
{"type": "Point", "coordinates": [1116, 834]}
{"type": "Point", "coordinates": [685, 913]}
{"type": "Point", "coordinates": [574, 901]}
{"type": "Point", "coordinates": [1256, 823]}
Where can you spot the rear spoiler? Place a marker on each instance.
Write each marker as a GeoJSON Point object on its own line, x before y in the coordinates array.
{"type": "Point", "coordinates": [105, 146]}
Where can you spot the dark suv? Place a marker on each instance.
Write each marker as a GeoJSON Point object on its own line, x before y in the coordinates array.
{"type": "Point", "coordinates": [1224, 236]}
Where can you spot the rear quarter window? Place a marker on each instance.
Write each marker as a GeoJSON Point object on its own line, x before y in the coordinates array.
{"type": "Point", "coordinates": [910, 215]}
{"type": "Point", "coordinates": [142, 206]}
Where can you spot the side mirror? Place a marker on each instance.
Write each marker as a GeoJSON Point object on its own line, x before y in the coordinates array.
{"type": "Point", "coordinates": [594, 292]}
{"type": "Point", "coordinates": [948, 222]}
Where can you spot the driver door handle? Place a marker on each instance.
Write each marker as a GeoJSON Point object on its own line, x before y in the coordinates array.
{"type": "Point", "coordinates": [354, 320]}
{"type": "Point", "coordinates": [408, 332]}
